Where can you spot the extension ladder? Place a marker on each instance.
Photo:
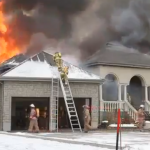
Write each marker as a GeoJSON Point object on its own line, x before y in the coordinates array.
{"type": "Point", "coordinates": [71, 109]}
{"type": "Point", "coordinates": [54, 105]}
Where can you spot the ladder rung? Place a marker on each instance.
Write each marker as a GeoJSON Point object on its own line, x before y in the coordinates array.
{"type": "Point", "coordinates": [69, 100]}
{"type": "Point", "coordinates": [55, 87]}
{"type": "Point", "coordinates": [75, 124]}
{"type": "Point", "coordinates": [71, 107]}
{"type": "Point", "coordinates": [76, 128]}
{"type": "Point", "coordinates": [73, 115]}
{"type": "Point", "coordinates": [55, 91]}
{"type": "Point", "coordinates": [67, 90]}
{"type": "Point", "coordinates": [55, 81]}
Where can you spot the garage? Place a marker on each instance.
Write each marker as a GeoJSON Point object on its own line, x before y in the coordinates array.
{"type": "Point", "coordinates": [63, 115]}
{"type": "Point", "coordinates": [21, 109]}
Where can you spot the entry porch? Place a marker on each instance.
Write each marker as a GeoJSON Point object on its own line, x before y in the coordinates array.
{"type": "Point", "coordinates": [126, 96]}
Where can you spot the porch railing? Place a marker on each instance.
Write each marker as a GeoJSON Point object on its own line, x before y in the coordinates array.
{"type": "Point", "coordinates": [110, 106]}
{"type": "Point", "coordinates": [131, 110]}
{"type": "Point", "coordinates": [147, 106]}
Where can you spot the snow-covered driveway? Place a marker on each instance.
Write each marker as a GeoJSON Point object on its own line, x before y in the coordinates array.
{"type": "Point", "coordinates": [70, 141]}
{"type": "Point", "coordinates": [8, 142]}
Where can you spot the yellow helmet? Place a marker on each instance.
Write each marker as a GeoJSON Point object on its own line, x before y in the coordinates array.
{"type": "Point", "coordinates": [58, 54]}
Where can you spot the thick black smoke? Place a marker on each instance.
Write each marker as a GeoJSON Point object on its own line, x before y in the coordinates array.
{"type": "Point", "coordinates": [124, 21]}
{"type": "Point", "coordinates": [50, 17]}
{"type": "Point", "coordinates": [85, 24]}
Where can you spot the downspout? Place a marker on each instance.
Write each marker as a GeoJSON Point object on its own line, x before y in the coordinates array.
{"type": "Point", "coordinates": [2, 104]}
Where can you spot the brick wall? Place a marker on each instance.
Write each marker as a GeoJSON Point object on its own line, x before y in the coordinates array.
{"type": "Point", "coordinates": [43, 89]}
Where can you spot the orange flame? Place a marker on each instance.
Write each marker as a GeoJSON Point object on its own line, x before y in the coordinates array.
{"type": "Point", "coordinates": [8, 48]}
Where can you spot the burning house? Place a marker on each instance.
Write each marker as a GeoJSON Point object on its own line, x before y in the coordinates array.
{"type": "Point", "coordinates": [26, 80]}
{"type": "Point", "coordinates": [84, 26]}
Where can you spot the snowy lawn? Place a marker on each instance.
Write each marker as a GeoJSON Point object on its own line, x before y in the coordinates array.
{"type": "Point", "coordinates": [130, 140]}
{"type": "Point", "coordinates": [8, 142]}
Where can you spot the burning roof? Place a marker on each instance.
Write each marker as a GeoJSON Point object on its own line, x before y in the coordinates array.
{"type": "Point", "coordinates": [40, 66]}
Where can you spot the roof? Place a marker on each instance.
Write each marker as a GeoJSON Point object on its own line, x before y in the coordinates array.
{"type": "Point", "coordinates": [117, 55]}
{"type": "Point", "coordinates": [41, 67]}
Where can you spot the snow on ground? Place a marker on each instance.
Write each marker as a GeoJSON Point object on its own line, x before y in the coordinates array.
{"type": "Point", "coordinates": [8, 142]}
{"type": "Point", "coordinates": [110, 139]}
{"type": "Point", "coordinates": [44, 70]}
{"type": "Point", "coordinates": [130, 140]}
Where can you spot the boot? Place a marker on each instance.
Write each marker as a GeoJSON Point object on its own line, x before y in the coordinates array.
{"type": "Point", "coordinates": [141, 130]}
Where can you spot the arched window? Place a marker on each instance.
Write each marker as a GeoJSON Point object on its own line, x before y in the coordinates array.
{"type": "Point", "coordinates": [136, 90]}
{"type": "Point", "coordinates": [110, 88]}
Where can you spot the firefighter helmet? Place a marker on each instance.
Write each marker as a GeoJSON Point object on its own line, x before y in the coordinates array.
{"type": "Point", "coordinates": [141, 106]}
{"type": "Point", "coordinates": [58, 54]}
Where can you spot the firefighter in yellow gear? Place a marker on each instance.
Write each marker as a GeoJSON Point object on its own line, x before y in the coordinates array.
{"type": "Point", "coordinates": [64, 74]}
{"type": "Point", "coordinates": [58, 61]}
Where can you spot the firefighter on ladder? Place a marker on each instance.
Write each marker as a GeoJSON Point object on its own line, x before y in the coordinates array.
{"type": "Point", "coordinates": [63, 70]}
{"type": "Point", "coordinates": [64, 74]}
{"type": "Point", "coordinates": [58, 60]}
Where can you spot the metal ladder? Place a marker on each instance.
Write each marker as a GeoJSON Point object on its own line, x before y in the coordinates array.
{"type": "Point", "coordinates": [71, 109]}
{"type": "Point", "coordinates": [54, 105]}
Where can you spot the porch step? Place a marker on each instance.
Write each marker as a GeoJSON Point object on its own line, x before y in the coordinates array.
{"type": "Point", "coordinates": [123, 126]}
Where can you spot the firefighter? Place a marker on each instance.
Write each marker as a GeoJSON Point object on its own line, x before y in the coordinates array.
{"type": "Point", "coordinates": [64, 74]}
{"type": "Point", "coordinates": [87, 119]}
{"type": "Point", "coordinates": [58, 61]}
{"type": "Point", "coordinates": [33, 119]}
{"type": "Point", "coordinates": [141, 117]}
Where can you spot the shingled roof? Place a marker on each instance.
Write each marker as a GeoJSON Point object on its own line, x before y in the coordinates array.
{"type": "Point", "coordinates": [114, 54]}
{"type": "Point", "coordinates": [40, 66]}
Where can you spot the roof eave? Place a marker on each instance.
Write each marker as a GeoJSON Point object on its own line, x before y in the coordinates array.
{"type": "Point", "coordinates": [119, 65]}
{"type": "Point", "coordinates": [99, 81]}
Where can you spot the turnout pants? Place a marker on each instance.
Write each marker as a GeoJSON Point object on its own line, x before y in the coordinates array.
{"type": "Point", "coordinates": [64, 77]}
{"type": "Point", "coordinates": [59, 64]}
{"type": "Point", "coordinates": [33, 124]}
{"type": "Point", "coordinates": [87, 126]}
